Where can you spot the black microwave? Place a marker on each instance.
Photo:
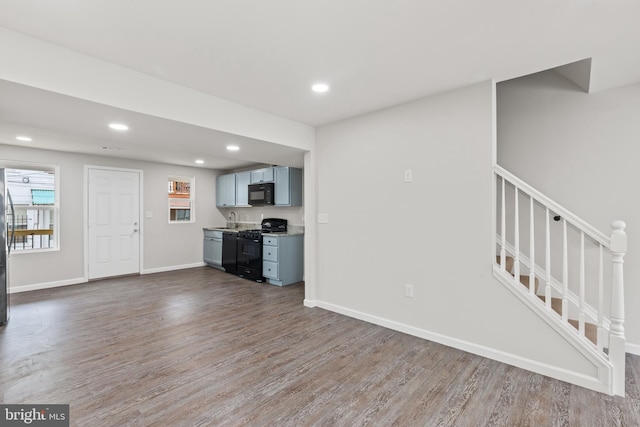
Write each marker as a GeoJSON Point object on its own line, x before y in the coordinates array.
{"type": "Point", "coordinates": [261, 194]}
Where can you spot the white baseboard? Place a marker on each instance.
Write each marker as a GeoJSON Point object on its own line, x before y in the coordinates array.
{"type": "Point", "coordinates": [172, 268]}
{"type": "Point", "coordinates": [577, 378]}
{"type": "Point", "coordinates": [310, 303]}
{"type": "Point", "coordinates": [76, 281]}
{"type": "Point", "coordinates": [633, 348]}
{"type": "Point", "coordinates": [46, 285]}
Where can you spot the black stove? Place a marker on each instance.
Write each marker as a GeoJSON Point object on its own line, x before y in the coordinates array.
{"type": "Point", "coordinates": [249, 255]}
{"type": "Point", "coordinates": [269, 225]}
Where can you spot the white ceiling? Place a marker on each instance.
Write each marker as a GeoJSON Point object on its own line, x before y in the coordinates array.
{"type": "Point", "coordinates": [266, 54]}
{"type": "Point", "coordinates": [65, 123]}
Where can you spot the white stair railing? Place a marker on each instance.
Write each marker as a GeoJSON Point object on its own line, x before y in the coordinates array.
{"type": "Point", "coordinates": [574, 270]}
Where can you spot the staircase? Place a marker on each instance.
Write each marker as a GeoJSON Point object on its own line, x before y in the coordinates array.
{"type": "Point", "coordinates": [591, 329]}
{"type": "Point", "coordinates": [580, 269]}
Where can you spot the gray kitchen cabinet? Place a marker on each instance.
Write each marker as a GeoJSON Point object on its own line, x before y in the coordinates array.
{"type": "Point", "coordinates": [282, 259]}
{"type": "Point", "coordinates": [226, 190]}
{"type": "Point", "coordinates": [212, 249]}
{"type": "Point", "coordinates": [243, 179]}
{"type": "Point", "coordinates": [288, 186]}
{"type": "Point", "coordinates": [232, 189]}
{"type": "Point", "coordinates": [262, 175]}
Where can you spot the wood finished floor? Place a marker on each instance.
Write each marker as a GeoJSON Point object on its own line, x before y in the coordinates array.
{"type": "Point", "coordinates": [202, 348]}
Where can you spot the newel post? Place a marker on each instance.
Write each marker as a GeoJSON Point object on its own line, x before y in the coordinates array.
{"type": "Point", "coordinates": [616, 336]}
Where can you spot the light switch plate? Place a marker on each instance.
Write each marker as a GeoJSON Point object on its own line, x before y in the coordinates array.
{"type": "Point", "coordinates": [323, 218]}
{"type": "Point", "coordinates": [408, 175]}
{"type": "Point", "coordinates": [148, 214]}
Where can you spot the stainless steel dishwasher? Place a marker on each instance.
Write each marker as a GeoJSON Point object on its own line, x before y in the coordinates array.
{"type": "Point", "coordinates": [212, 249]}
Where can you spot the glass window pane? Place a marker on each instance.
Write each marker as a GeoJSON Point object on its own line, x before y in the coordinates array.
{"type": "Point", "coordinates": [180, 198]}
{"type": "Point", "coordinates": [35, 210]}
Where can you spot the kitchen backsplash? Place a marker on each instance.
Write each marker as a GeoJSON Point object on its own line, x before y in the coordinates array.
{"type": "Point", "coordinates": [255, 215]}
{"type": "Point", "coordinates": [255, 225]}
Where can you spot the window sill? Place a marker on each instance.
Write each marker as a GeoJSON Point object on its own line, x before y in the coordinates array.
{"type": "Point", "coordinates": [32, 251]}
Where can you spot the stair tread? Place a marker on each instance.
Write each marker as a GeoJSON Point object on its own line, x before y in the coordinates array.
{"type": "Point", "coordinates": [556, 303]}
{"type": "Point", "coordinates": [525, 281]}
{"type": "Point", "coordinates": [508, 262]}
{"type": "Point", "coordinates": [590, 330]}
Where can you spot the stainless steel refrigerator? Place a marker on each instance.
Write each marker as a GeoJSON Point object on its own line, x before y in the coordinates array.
{"type": "Point", "coordinates": [7, 226]}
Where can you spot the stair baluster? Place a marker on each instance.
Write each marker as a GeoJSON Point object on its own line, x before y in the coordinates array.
{"type": "Point", "coordinates": [503, 228]}
{"type": "Point", "coordinates": [581, 315]}
{"type": "Point", "coordinates": [601, 329]}
{"type": "Point", "coordinates": [565, 273]}
{"type": "Point", "coordinates": [547, 263]}
{"type": "Point", "coordinates": [616, 335]}
{"type": "Point", "coordinates": [532, 250]}
{"type": "Point", "coordinates": [516, 236]}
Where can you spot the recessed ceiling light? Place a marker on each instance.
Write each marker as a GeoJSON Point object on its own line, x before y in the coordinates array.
{"type": "Point", "coordinates": [320, 87]}
{"type": "Point", "coordinates": [233, 147]}
{"type": "Point", "coordinates": [23, 138]}
{"type": "Point", "coordinates": [118, 126]}
{"type": "Point", "coordinates": [200, 161]}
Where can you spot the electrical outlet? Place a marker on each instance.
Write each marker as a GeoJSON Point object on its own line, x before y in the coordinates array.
{"type": "Point", "coordinates": [408, 175]}
{"type": "Point", "coordinates": [408, 290]}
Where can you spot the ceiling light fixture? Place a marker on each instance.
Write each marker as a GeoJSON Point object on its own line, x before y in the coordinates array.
{"type": "Point", "coordinates": [233, 147]}
{"type": "Point", "coordinates": [24, 138]}
{"type": "Point", "coordinates": [320, 87]}
{"type": "Point", "coordinates": [200, 161]}
{"type": "Point", "coordinates": [118, 126]}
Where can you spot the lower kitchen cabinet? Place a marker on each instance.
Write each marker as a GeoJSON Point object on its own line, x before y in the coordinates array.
{"type": "Point", "coordinates": [282, 259]}
{"type": "Point", "coordinates": [212, 249]}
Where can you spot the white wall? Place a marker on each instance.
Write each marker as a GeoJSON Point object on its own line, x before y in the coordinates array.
{"type": "Point", "coordinates": [582, 151]}
{"type": "Point", "coordinates": [434, 233]}
{"type": "Point", "coordinates": [166, 246]}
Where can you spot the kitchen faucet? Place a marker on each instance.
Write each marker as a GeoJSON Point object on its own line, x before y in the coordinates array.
{"type": "Point", "coordinates": [234, 218]}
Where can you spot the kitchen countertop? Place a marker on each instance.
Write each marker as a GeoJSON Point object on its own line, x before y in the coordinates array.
{"type": "Point", "coordinates": [294, 232]}
{"type": "Point", "coordinates": [220, 229]}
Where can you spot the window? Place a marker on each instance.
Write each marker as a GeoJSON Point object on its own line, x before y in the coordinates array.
{"type": "Point", "coordinates": [35, 203]}
{"type": "Point", "coordinates": [181, 199]}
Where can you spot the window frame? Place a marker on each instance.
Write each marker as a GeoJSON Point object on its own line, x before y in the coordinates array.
{"type": "Point", "coordinates": [55, 208]}
{"type": "Point", "coordinates": [191, 199]}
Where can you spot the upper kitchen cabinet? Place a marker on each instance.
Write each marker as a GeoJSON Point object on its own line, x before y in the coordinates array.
{"type": "Point", "coordinates": [232, 190]}
{"type": "Point", "coordinates": [226, 190]}
{"type": "Point", "coordinates": [288, 186]}
{"type": "Point", "coordinates": [262, 175]}
{"type": "Point", "coordinates": [243, 179]}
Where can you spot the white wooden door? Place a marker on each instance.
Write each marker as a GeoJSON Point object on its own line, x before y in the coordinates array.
{"type": "Point", "coordinates": [113, 222]}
